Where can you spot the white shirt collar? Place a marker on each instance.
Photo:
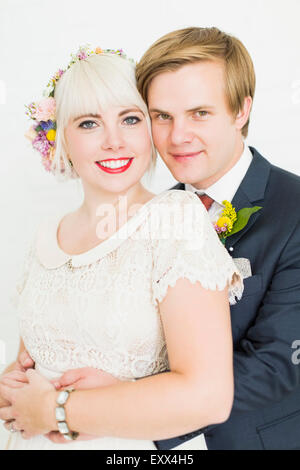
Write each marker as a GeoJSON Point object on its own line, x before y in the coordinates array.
{"type": "Point", "coordinates": [227, 186]}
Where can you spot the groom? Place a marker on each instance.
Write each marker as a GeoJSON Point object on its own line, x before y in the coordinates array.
{"type": "Point", "coordinates": [199, 84]}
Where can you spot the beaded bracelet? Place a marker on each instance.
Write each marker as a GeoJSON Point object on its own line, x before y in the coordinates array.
{"type": "Point", "coordinates": [60, 414]}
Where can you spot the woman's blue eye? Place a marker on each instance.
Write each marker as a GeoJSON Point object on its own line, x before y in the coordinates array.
{"type": "Point", "coordinates": [87, 124]}
{"type": "Point", "coordinates": [131, 120]}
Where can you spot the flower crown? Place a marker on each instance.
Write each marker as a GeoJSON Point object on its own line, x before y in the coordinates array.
{"type": "Point", "coordinates": [42, 133]}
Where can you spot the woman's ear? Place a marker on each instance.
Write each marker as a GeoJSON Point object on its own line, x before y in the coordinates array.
{"type": "Point", "coordinates": [243, 115]}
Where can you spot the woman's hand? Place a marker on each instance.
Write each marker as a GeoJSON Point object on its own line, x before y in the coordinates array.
{"type": "Point", "coordinates": [32, 405]}
{"type": "Point", "coordinates": [13, 379]}
{"type": "Point", "coordinates": [23, 362]}
{"type": "Point", "coordinates": [80, 379]}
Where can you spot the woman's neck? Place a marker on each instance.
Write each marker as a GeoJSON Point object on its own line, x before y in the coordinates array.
{"type": "Point", "coordinates": [97, 203]}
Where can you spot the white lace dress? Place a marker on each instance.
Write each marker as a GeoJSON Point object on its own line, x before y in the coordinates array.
{"type": "Point", "coordinates": [100, 308]}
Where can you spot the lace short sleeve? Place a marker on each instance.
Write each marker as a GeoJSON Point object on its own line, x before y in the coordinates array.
{"type": "Point", "coordinates": [187, 246]}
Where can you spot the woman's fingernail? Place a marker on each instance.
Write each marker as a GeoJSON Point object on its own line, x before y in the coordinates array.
{"type": "Point", "coordinates": [56, 384]}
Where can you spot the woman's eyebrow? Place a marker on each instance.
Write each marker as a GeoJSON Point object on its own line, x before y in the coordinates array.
{"type": "Point", "coordinates": [98, 116]}
{"type": "Point", "coordinates": [130, 110]}
{"type": "Point", "coordinates": [87, 115]}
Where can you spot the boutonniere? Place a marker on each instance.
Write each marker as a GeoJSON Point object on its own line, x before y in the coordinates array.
{"type": "Point", "coordinates": [231, 222]}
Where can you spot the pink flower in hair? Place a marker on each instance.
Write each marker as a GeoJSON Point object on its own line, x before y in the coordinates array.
{"type": "Point", "coordinates": [45, 110]}
{"type": "Point", "coordinates": [41, 144]}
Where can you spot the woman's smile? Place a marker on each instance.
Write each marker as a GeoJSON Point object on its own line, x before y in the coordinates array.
{"type": "Point", "coordinates": [112, 165]}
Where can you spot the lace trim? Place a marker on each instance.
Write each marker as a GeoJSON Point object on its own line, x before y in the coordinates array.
{"type": "Point", "coordinates": [224, 275]}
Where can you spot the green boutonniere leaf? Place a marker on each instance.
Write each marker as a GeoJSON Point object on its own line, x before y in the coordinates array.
{"type": "Point", "coordinates": [243, 216]}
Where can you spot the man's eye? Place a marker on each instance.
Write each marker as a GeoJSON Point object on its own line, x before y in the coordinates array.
{"type": "Point", "coordinates": [87, 124]}
{"type": "Point", "coordinates": [132, 120]}
{"type": "Point", "coordinates": [162, 117]}
{"type": "Point", "coordinates": [201, 113]}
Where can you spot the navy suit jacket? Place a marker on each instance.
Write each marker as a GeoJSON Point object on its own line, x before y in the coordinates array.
{"type": "Point", "coordinates": [266, 321]}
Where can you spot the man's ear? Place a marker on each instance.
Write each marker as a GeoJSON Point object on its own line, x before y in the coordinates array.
{"type": "Point", "coordinates": [243, 115]}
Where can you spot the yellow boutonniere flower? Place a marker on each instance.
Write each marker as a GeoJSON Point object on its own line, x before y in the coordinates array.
{"type": "Point", "coordinates": [231, 222]}
{"type": "Point", "coordinates": [225, 222]}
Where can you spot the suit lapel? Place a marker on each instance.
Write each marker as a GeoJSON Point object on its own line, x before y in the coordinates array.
{"type": "Point", "coordinates": [239, 202]}
{"type": "Point", "coordinates": [251, 192]}
{"type": "Point", "coordinates": [179, 186]}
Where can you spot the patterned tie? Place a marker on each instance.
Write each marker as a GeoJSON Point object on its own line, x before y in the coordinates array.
{"type": "Point", "coordinates": [206, 200]}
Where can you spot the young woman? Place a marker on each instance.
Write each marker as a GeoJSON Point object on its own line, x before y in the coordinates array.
{"type": "Point", "coordinates": [131, 283]}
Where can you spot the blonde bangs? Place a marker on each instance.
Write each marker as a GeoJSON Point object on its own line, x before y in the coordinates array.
{"type": "Point", "coordinates": [94, 84]}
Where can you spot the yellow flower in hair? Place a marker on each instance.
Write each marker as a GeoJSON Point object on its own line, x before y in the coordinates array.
{"type": "Point", "coordinates": [98, 50]}
{"type": "Point", "coordinates": [51, 135]}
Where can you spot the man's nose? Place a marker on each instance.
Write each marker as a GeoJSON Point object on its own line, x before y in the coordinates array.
{"type": "Point", "coordinates": [180, 133]}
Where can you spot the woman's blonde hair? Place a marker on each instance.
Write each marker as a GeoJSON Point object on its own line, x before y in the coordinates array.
{"type": "Point", "coordinates": [190, 45]}
{"type": "Point", "coordinates": [98, 82]}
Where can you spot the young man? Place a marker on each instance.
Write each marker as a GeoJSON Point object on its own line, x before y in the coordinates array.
{"type": "Point", "coordinates": [199, 85]}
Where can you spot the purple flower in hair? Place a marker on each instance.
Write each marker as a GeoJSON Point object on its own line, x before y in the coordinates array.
{"type": "Point", "coordinates": [41, 144]}
{"type": "Point", "coordinates": [46, 126]}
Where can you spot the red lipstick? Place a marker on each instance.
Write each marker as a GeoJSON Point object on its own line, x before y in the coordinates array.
{"type": "Point", "coordinates": [114, 170]}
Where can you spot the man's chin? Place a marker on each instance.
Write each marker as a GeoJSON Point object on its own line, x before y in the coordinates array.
{"type": "Point", "coordinates": [186, 175]}
{"type": "Point", "coordinates": [185, 178]}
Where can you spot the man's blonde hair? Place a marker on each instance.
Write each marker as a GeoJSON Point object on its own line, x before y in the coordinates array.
{"type": "Point", "coordinates": [190, 45]}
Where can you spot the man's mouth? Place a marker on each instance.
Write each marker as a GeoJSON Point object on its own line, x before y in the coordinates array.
{"type": "Point", "coordinates": [186, 154]}
{"type": "Point", "coordinates": [114, 165]}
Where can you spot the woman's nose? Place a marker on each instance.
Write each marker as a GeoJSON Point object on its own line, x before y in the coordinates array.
{"type": "Point", "coordinates": [113, 140]}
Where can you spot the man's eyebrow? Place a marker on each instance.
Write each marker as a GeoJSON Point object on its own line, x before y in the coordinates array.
{"type": "Point", "coordinates": [197, 108]}
{"type": "Point", "coordinates": [154, 110]}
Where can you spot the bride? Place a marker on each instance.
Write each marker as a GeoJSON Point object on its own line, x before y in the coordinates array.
{"type": "Point", "coordinates": [132, 284]}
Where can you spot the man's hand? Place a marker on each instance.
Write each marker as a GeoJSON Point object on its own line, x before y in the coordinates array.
{"type": "Point", "coordinates": [80, 379]}
{"type": "Point", "coordinates": [85, 378]}
{"type": "Point", "coordinates": [24, 362]}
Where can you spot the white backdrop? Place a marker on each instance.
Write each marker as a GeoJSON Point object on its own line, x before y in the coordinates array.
{"type": "Point", "coordinates": [36, 38]}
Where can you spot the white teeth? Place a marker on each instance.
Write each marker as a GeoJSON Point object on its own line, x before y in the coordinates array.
{"type": "Point", "coordinates": [114, 164]}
